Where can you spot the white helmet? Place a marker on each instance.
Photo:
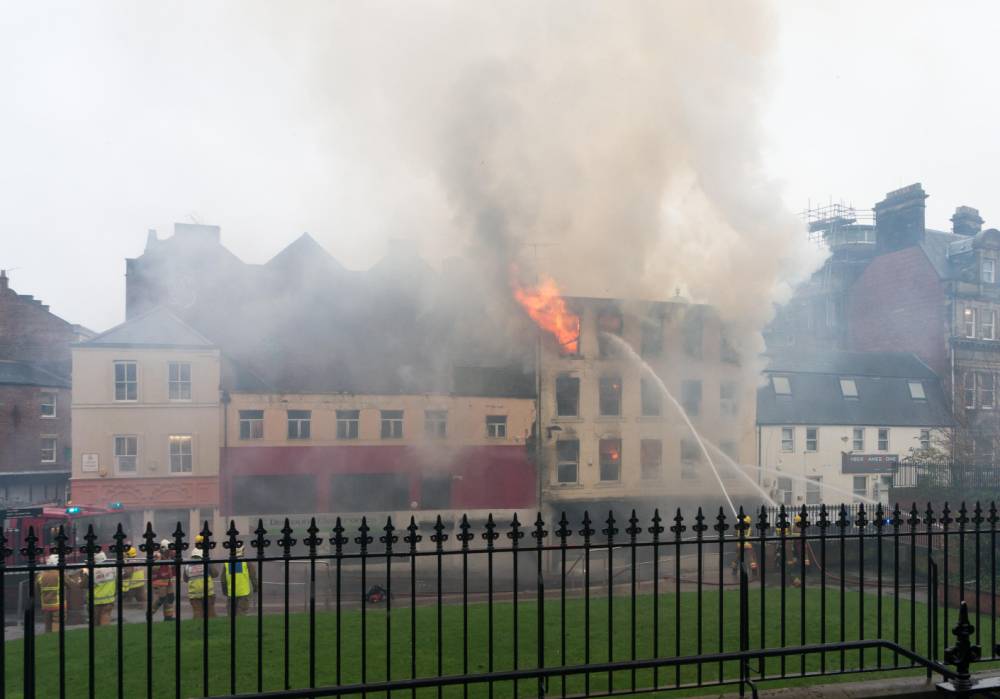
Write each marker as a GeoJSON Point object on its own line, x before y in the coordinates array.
{"type": "Point", "coordinates": [52, 560]}
{"type": "Point", "coordinates": [100, 557]}
{"type": "Point", "coordinates": [196, 553]}
{"type": "Point", "coordinates": [165, 545]}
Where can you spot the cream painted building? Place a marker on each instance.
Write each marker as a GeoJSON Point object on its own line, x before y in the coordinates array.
{"type": "Point", "coordinates": [612, 440]}
{"type": "Point", "coordinates": [833, 426]}
{"type": "Point", "coordinates": [146, 423]}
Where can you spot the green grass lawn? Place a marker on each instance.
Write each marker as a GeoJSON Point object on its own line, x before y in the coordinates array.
{"type": "Point", "coordinates": [451, 641]}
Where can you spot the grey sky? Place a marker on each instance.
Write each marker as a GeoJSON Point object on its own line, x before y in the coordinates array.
{"type": "Point", "coordinates": [119, 117]}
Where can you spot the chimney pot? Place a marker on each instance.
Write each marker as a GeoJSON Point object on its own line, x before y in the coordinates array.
{"type": "Point", "coordinates": [966, 221]}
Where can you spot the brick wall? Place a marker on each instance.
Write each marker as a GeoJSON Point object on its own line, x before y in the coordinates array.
{"type": "Point", "coordinates": [29, 332]}
{"type": "Point", "coordinates": [898, 304]}
{"type": "Point", "coordinates": [21, 428]}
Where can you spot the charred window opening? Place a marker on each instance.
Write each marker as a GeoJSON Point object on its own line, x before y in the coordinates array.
{"type": "Point", "coordinates": [691, 397]}
{"type": "Point", "coordinates": [299, 424]}
{"type": "Point", "coordinates": [651, 458]}
{"type": "Point", "coordinates": [435, 424]}
{"type": "Point", "coordinates": [568, 460]}
{"type": "Point", "coordinates": [610, 397]}
{"type": "Point", "coordinates": [690, 459]}
{"type": "Point", "coordinates": [727, 352]}
{"type": "Point", "coordinates": [392, 424]}
{"type": "Point", "coordinates": [263, 495]}
{"type": "Point", "coordinates": [567, 396]}
{"type": "Point", "coordinates": [609, 322]}
{"type": "Point", "coordinates": [361, 492]}
{"type": "Point", "coordinates": [496, 426]}
{"type": "Point", "coordinates": [728, 405]}
{"type": "Point", "coordinates": [652, 398]}
{"type": "Point", "coordinates": [611, 459]}
{"type": "Point", "coordinates": [435, 491]}
{"type": "Point", "coordinates": [652, 335]}
{"type": "Point", "coordinates": [692, 330]}
{"type": "Point", "coordinates": [347, 424]}
{"type": "Point", "coordinates": [251, 424]}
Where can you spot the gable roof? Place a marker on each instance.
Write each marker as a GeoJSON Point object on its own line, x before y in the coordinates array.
{"type": "Point", "coordinates": [157, 328]}
{"type": "Point", "coordinates": [882, 380]}
{"type": "Point", "coordinates": [30, 374]}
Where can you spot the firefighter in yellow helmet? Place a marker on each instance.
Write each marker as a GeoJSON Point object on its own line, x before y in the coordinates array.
{"type": "Point", "coordinates": [50, 595]}
{"type": "Point", "coordinates": [133, 578]}
{"type": "Point", "coordinates": [201, 593]}
{"type": "Point", "coordinates": [240, 582]}
{"type": "Point", "coordinates": [163, 581]}
{"type": "Point", "coordinates": [103, 591]}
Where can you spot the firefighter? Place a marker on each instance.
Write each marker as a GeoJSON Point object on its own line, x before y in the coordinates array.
{"type": "Point", "coordinates": [51, 596]}
{"type": "Point", "coordinates": [202, 597]}
{"type": "Point", "coordinates": [163, 582]}
{"type": "Point", "coordinates": [103, 593]}
{"type": "Point", "coordinates": [136, 577]}
{"type": "Point", "coordinates": [240, 582]}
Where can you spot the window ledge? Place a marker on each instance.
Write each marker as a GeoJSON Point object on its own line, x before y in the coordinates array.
{"type": "Point", "coordinates": [567, 418]}
{"type": "Point", "coordinates": [608, 418]}
{"type": "Point", "coordinates": [650, 418]}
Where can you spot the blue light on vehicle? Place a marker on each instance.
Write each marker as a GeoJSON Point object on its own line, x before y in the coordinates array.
{"type": "Point", "coordinates": [74, 510]}
{"type": "Point", "coordinates": [115, 506]}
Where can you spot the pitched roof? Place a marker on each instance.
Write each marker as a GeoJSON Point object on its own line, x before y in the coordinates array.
{"type": "Point", "coordinates": [882, 380]}
{"type": "Point", "coordinates": [30, 374]}
{"type": "Point", "coordinates": [937, 245]}
{"type": "Point", "coordinates": [157, 328]}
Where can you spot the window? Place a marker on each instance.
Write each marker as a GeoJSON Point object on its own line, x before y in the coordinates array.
{"type": "Point", "coordinates": [179, 381]}
{"type": "Point", "coordinates": [568, 460]}
{"type": "Point", "coordinates": [49, 450]}
{"type": "Point", "coordinates": [610, 395]}
{"type": "Point", "coordinates": [728, 406]}
{"type": "Point", "coordinates": [611, 459]}
{"type": "Point", "coordinates": [652, 336]}
{"type": "Point", "coordinates": [727, 352]}
{"type": "Point", "coordinates": [916, 390]}
{"type": "Point", "coordinates": [982, 450]}
{"type": "Point", "coordinates": [989, 269]}
{"type": "Point", "coordinates": [859, 439]}
{"type": "Point", "coordinates": [180, 453]}
{"type": "Point", "coordinates": [436, 424]}
{"type": "Point", "coordinates": [652, 399]}
{"type": "Point", "coordinates": [392, 424]}
{"type": "Point", "coordinates": [969, 380]}
{"type": "Point", "coordinates": [126, 385]}
{"type": "Point", "coordinates": [299, 422]}
{"type": "Point", "coordinates": [969, 316]}
{"type": "Point", "coordinates": [848, 388]}
{"type": "Point", "coordinates": [435, 491]}
{"type": "Point", "coordinates": [374, 492]}
{"type": "Point", "coordinates": [987, 327]}
{"type": "Point", "coordinates": [567, 396]}
{"type": "Point", "coordinates": [782, 386]}
{"type": "Point", "coordinates": [812, 439]}
{"type": "Point", "coordinates": [251, 424]}
{"type": "Point", "coordinates": [729, 449]}
{"type": "Point", "coordinates": [496, 426]}
{"type": "Point", "coordinates": [925, 439]}
{"type": "Point", "coordinates": [860, 486]}
{"type": "Point", "coordinates": [883, 439]}
{"type": "Point", "coordinates": [651, 457]}
{"type": "Point", "coordinates": [690, 458]}
{"type": "Point", "coordinates": [691, 397]}
{"type": "Point", "coordinates": [126, 453]}
{"type": "Point", "coordinates": [347, 424]}
{"type": "Point", "coordinates": [787, 439]}
{"type": "Point", "coordinates": [986, 389]}
{"type": "Point", "coordinates": [47, 402]}
{"type": "Point", "coordinates": [814, 490]}
{"type": "Point", "coordinates": [692, 330]}
{"type": "Point", "coordinates": [785, 490]}
{"type": "Point", "coordinates": [609, 322]}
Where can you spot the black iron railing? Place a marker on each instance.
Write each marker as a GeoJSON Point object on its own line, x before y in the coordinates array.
{"type": "Point", "coordinates": [589, 608]}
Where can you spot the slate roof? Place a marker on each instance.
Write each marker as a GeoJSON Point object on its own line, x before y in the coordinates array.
{"type": "Point", "coordinates": [936, 246]}
{"type": "Point", "coordinates": [157, 328]}
{"type": "Point", "coordinates": [30, 374]}
{"type": "Point", "coordinates": [882, 380]}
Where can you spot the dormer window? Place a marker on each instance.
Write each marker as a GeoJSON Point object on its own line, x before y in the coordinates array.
{"type": "Point", "coordinates": [782, 386]}
{"type": "Point", "coordinates": [917, 390]}
{"type": "Point", "coordinates": [849, 388]}
{"type": "Point", "coordinates": [988, 269]}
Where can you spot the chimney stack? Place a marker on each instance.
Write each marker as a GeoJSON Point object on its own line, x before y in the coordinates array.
{"type": "Point", "coordinates": [899, 218]}
{"type": "Point", "coordinates": [151, 239]}
{"type": "Point", "coordinates": [966, 221]}
{"type": "Point", "coordinates": [3, 280]}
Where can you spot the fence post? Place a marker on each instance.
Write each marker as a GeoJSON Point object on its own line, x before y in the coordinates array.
{"type": "Point", "coordinates": [964, 652]}
{"type": "Point", "coordinates": [744, 625]}
{"type": "Point", "coordinates": [31, 551]}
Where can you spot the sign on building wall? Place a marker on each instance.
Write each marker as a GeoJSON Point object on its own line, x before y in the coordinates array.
{"type": "Point", "coordinates": [869, 463]}
{"type": "Point", "coordinates": [90, 463]}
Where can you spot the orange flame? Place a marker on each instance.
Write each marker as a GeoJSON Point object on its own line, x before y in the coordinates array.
{"type": "Point", "coordinates": [548, 309]}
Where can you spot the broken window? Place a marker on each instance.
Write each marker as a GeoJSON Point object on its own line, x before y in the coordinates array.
{"type": "Point", "coordinates": [435, 424]}
{"type": "Point", "coordinates": [609, 322]}
{"type": "Point", "coordinates": [299, 424]}
{"type": "Point", "coordinates": [251, 424]}
{"type": "Point", "coordinates": [496, 426]}
{"type": "Point", "coordinates": [348, 423]}
{"type": "Point", "coordinates": [611, 459]}
{"type": "Point", "coordinates": [692, 330]}
{"type": "Point", "coordinates": [728, 405]}
{"type": "Point", "coordinates": [690, 458]}
{"type": "Point", "coordinates": [651, 458]}
{"type": "Point", "coordinates": [652, 398]}
{"type": "Point", "coordinates": [610, 395]}
{"type": "Point", "coordinates": [567, 396]}
{"type": "Point", "coordinates": [652, 335]}
{"type": "Point", "coordinates": [392, 424]}
{"type": "Point", "coordinates": [435, 491]}
{"type": "Point", "coordinates": [691, 397]}
{"type": "Point", "coordinates": [567, 460]}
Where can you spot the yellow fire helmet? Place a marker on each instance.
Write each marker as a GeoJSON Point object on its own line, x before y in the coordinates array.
{"type": "Point", "coordinates": [131, 552]}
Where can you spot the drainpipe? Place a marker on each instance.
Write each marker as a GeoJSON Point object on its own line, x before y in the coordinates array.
{"type": "Point", "coordinates": [538, 415]}
{"type": "Point", "coordinates": [951, 362]}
